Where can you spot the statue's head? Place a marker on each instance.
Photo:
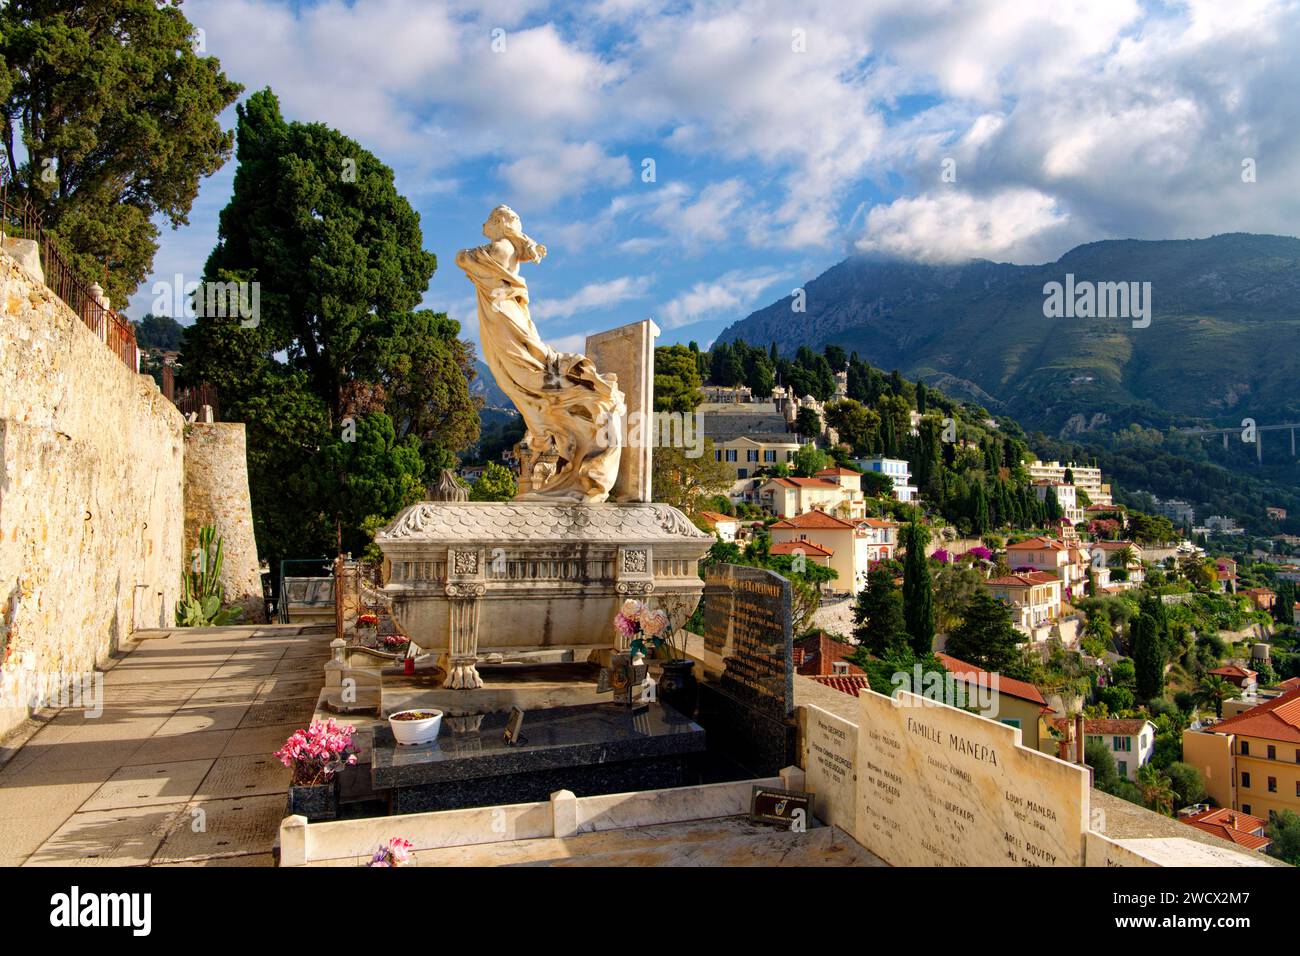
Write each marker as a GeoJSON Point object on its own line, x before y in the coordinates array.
{"type": "Point", "coordinates": [501, 222]}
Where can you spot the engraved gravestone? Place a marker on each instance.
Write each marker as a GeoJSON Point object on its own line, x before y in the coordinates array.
{"type": "Point", "coordinates": [747, 699]}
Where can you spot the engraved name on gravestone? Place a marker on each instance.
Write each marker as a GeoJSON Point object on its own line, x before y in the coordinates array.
{"type": "Point", "coordinates": [830, 749]}
{"type": "Point", "coordinates": [941, 787]}
{"type": "Point", "coordinates": [747, 624]}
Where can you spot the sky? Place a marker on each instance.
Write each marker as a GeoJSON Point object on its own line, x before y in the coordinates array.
{"type": "Point", "coordinates": [690, 162]}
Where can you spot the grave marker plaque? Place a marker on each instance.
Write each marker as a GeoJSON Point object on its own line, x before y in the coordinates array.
{"type": "Point", "coordinates": [747, 624]}
{"type": "Point", "coordinates": [941, 787]}
{"type": "Point", "coordinates": [747, 698]}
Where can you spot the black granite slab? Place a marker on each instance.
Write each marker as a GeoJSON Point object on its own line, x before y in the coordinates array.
{"type": "Point", "coordinates": [589, 749]}
{"type": "Point", "coordinates": [747, 707]}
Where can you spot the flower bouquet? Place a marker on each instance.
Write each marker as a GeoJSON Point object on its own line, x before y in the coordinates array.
{"type": "Point", "coordinates": [367, 627]}
{"type": "Point", "coordinates": [317, 753]}
{"type": "Point", "coordinates": [396, 852]}
{"type": "Point", "coordinates": [645, 630]}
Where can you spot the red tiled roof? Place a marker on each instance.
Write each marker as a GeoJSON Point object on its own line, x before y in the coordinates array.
{"type": "Point", "coordinates": [819, 652]}
{"type": "Point", "coordinates": [1116, 546]}
{"type": "Point", "coordinates": [714, 517]}
{"type": "Point", "coordinates": [813, 519]}
{"type": "Point", "coordinates": [1278, 719]}
{"type": "Point", "coordinates": [879, 523]}
{"type": "Point", "coordinates": [1129, 727]}
{"type": "Point", "coordinates": [1231, 825]}
{"type": "Point", "coordinates": [1290, 683]}
{"type": "Point", "coordinates": [806, 483]}
{"type": "Point", "coordinates": [1233, 670]}
{"type": "Point", "coordinates": [1037, 544]}
{"type": "Point", "coordinates": [850, 684]}
{"type": "Point", "coordinates": [1005, 685]}
{"type": "Point", "coordinates": [837, 472]}
{"type": "Point", "coordinates": [807, 547]}
{"type": "Point", "coordinates": [1025, 579]}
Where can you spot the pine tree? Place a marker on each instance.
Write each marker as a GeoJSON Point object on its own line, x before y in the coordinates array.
{"type": "Point", "coordinates": [987, 638]}
{"type": "Point", "coordinates": [879, 624]}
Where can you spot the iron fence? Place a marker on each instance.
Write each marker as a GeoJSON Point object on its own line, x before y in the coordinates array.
{"type": "Point", "coordinates": [21, 219]}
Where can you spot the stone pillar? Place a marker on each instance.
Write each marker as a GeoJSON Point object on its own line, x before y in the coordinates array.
{"type": "Point", "coordinates": [465, 588]}
{"type": "Point", "coordinates": [216, 493]}
{"type": "Point", "coordinates": [629, 353]}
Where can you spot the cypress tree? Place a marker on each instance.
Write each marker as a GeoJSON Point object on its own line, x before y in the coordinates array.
{"type": "Point", "coordinates": [918, 591]}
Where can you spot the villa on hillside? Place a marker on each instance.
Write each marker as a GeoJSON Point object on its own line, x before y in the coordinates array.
{"type": "Point", "coordinates": [787, 497]}
{"type": "Point", "coordinates": [1085, 477]}
{"type": "Point", "coordinates": [1132, 573]}
{"type": "Point", "coordinates": [833, 538]}
{"type": "Point", "coordinates": [1132, 742]}
{"type": "Point", "coordinates": [850, 547]}
{"type": "Point", "coordinates": [1067, 560]}
{"type": "Point", "coordinates": [1251, 762]}
{"type": "Point", "coordinates": [1034, 598]}
{"type": "Point", "coordinates": [1066, 497]}
{"type": "Point", "coordinates": [745, 455]}
{"type": "Point", "coordinates": [724, 526]}
{"type": "Point", "coordinates": [897, 469]}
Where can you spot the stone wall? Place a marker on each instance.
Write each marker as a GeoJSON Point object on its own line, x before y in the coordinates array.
{"type": "Point", "coordinates": [91, 496]}
{"type": "Point", "coordinates": [216, 493]}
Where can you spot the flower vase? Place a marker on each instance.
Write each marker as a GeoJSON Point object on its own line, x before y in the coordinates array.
{"type": "Point", "coordinates": [316, 802]}
{"type": "Point", "coordinates": [678, 687]}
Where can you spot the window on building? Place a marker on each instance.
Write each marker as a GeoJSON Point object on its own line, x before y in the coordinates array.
{"type": "Point", "coordinates": [1272, 784]}
{"type": "Point", "coordinates": [1245, 808]}
{"type": "Point", "coordinates": [1123, 744]}
{"type": "Point", "coordinates": [1122, 766]}
{"type": "Point", "coordinates": [1244, 750]}
{"type": "Point", "coordinates": [751, 454]}
{"type": "Point", "coordinates": [789, 456]}
{"type": "Point", "coordinates": [1272, 752]}
{"type": "Point", "coordinates": [1094, 738]}
{"type": "Point", "coordinates": [717, 454]}
{"type": "Point", "coordinates": [731, 454]}
{"type": "Point", "coordinates": [769, 455]}
{"type": "Point", "coordinates": [1011, 722]}
{"type": "Point", "coordinates": [742, 472]}
{"type": "Point", "coordinates": [1245, 782]}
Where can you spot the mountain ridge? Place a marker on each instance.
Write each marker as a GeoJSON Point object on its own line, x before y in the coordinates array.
{"type": "Point", "coordinates": [1220, 309]}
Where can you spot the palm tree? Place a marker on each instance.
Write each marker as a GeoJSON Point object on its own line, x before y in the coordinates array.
{"type": "Point", "coordinates": [1125, 556]}
{"type": "Point", "coordinates": [1157, 793]}
{"type": "Point", "coordinates": [1215, 689]}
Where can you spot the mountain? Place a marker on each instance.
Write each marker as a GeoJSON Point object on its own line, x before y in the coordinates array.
{"type": "Point", "coordinates": [1220, 345]}
{"type": "Point", "coordinates": [484, 385]}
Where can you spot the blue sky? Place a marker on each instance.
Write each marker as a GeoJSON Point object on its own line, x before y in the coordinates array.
{"type": "Point", "coordinates": [784, 136]}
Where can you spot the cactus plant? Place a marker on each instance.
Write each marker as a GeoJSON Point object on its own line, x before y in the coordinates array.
{"type": "Point", "coordinates": [202, 594]}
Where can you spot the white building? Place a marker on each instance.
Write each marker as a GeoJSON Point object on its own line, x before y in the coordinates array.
{"type": "Point", "coordinates": [1085, 477]}
{"type": "Point", "coordinates": [896, 469]}
{"type": "Point", "coordinates": [1130, 742]}
{"type": "Point", "coordinates": [1065, 497]}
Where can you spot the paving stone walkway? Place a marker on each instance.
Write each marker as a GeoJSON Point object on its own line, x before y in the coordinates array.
{"type": "Point", "coordinates": [177, 770]}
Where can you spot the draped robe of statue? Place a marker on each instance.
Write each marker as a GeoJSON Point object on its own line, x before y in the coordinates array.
{"type": "Point", "coordinates": [561, 396]}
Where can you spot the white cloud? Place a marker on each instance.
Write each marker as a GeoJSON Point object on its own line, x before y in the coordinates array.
{"type": "Point", "coordinates": [593, 296]}
{"type": "Point", "coordinates": [953, 226]}
{"type": "Point", "coordinates": [730, 295]}
{"type": "Point", "coordinates": [551, 173]}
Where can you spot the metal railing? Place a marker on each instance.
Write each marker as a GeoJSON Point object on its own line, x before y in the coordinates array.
{"type": "Point", "coordinates": [21, 219]}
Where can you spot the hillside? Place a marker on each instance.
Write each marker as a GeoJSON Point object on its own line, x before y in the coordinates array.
{"type": "Point", "coordinates": [1225, 311]}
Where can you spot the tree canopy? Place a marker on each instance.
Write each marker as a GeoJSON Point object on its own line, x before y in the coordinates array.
{"type": "Point", "coordinates": [339, 337]}
{"type": "Point", "coordinates": [117, 115]}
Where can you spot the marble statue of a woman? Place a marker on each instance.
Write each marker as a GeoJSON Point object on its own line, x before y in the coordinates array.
{"type": "Point", "coordinates": [571, 411]}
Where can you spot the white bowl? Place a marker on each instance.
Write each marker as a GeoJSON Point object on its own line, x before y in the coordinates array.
{"type": "Point", "coordinates": [412, 732]}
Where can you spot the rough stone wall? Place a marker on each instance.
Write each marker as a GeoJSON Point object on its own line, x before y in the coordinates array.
{"type": "Point", "coordinates": [216, 493]}
{"type": "Point", "coordinates": [91, 496]}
